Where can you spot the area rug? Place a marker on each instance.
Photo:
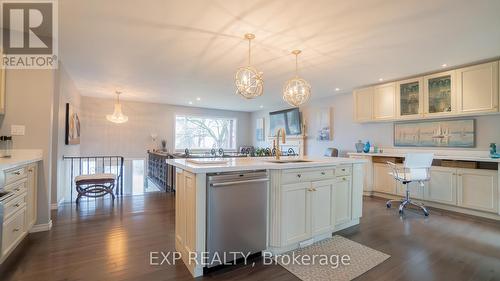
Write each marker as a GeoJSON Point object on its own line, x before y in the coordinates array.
{"type": "Point", "coordinates": [330, 260]}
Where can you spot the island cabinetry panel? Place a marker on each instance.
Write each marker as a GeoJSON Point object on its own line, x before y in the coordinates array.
{"type": "Point", "coordinates": [384, 102]}
{"type": "Point", "coordinates": [342, 200]}
{"type": "Point", "coordinates": [296, 212]}
{"type": "Point", "coordinates": [322, 206]}
{"type": "Point", "coordinates": [31, 204]}
{"type": "Point", "coordinates": [477, 88]}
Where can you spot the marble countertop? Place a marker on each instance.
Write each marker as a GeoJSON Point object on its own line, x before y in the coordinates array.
{"type": "Point", "coordinates": [21, 157]}
{"type": "Point", "coordinates": [457, 156]}
{"type": "Point", "coordinates": [260, 163]}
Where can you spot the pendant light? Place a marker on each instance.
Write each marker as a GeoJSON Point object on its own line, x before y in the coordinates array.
{"type": "Point", "coordinates": [117, 116]}
{"type": "Point", "coordinates": [296, 90]}
{"type": "Point", "coordinates": [248, 80]}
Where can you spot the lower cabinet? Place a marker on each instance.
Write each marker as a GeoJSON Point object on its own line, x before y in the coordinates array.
{"type": "Point", "coordinates": [342, 200]}
{"type": "Point", "coordinates": [185, 208]}
{"type": "Point", "coordinates": [296, 212]}
{"type": "Point", "coordinates": [442, 187]}
{"type": "Point", "coordinates": [322, 206]}
{"type": "Point", "coordinates": [31, 204]}
{"type": "Point", "coordinates": [382, 180]}
{"type": "Point", "coordinates": [478, 189]}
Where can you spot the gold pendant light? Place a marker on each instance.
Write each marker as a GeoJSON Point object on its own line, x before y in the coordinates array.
{"type": "Point", "coordinates": [296, 90]}
{"type": "Point", "coordinates": [249, 82]}
{"type": "Point", "coordinates": [117, 116]}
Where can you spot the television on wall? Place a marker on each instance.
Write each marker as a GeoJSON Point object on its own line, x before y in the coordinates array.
{"type": "Point", "coordinates": [288, 119]}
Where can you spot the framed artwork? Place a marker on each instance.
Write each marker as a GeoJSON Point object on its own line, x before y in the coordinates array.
{"type": "Point", "coordinates": [72, 126]}
{"type": "Point", "coordinates": [324, 121]}
{"type": "Point", "coordinates": [438, 133]}
{"type": "Point", "coordinates": [259, 130]}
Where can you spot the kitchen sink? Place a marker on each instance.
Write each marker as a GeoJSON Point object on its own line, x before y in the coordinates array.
{"type": "Point", "coordinates": [284, 161]}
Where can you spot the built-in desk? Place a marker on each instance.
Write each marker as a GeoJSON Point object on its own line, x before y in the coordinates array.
{"type": "Point", "coordinates": [464, 183]}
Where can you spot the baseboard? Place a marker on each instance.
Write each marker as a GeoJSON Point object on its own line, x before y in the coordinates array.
{"type": "Point", "coordinates": [55, 206]}
{"type": "Point", "coordinates": [41, 227]}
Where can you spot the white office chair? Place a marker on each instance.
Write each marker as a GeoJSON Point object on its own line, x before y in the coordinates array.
{"type": "Point", "coordinates": [416, 168]}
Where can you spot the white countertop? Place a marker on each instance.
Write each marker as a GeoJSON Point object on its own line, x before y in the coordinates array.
{"type": "Point", "coordinates": [436, 156]}
{"type": "Point", "coordinates": [259, 163]}
{"type": "Point", "coordinates": [21, 157]}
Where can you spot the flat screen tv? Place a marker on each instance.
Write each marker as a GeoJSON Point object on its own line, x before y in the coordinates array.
{"type": "Point", "coordinates": [288, 119]}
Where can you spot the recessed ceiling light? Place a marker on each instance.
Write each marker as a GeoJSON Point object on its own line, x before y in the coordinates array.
{"type": "Point", "coordinates": [261, 106]}
{"type": "Point", "coordinates": [337, 89]}
{"type": "Point", "coordinates": [381, 79]}
{"type": "Point", "coordinates": [198, 99]}
{"type": "Point", "coordinates": [444, 65]}
{"type": "Point", "coordinates": [190, 102]}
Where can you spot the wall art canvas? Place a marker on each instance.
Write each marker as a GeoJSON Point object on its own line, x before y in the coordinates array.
{"type": "Point", "coordinates": [72, 125]}
{"type": "Point", "coordinates": [323, 121]}
{"type": "Point", "coordinates": [259, 130]}
{"type": "Point", "coordinates": [439, 133]}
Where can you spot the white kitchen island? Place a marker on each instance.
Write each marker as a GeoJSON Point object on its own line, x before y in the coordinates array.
{"type": "Point", "coordinates": [307, 201]}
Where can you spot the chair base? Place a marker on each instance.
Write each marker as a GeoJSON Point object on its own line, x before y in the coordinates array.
{"type": "Point", "coordinates": [404, 203]}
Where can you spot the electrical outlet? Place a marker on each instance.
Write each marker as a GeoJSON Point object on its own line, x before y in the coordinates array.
{"type": "Point", "coordinates": [17, 130]}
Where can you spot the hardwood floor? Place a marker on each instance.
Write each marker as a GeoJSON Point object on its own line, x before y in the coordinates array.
{"type": "Point", "coordinates": [105, 242]}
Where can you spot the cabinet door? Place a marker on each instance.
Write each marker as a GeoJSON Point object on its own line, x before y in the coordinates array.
{"type": "Point", "coordinates": [440, 94]}
{"type": "Point", "coordinates": [322, 212]}
{"type": "Point", "coordinates": [180, 208]}
{"type": "Point", "coordinates": [190, 212]}
{"type": "Point", "coordinates": [342, 200]}
{"type": "Point", "coordinates": [296, 216]}
{"type": "Point", "coordinates": [409, 98]}
{"type": "Point", "coordinates": [31, 197]}
{"type": "Point", "coordinates": [442, 186]}
{"type": "Point", "coordinates": [382, 180]}
{"type": "Point", "coordinates": [477, 88]}
{"type": "Point", "coordinates": [384, 101]}
{"type": "Point", "coordinates": [478, 189]}
{"type": "Point", "coordinates": [363, 104]}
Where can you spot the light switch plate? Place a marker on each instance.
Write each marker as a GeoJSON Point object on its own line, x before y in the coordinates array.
{"type": "Point", "coordinates": [17, 130]}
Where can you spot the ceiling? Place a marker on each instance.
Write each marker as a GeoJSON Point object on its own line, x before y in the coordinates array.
{"type": "Point", "coordinates": [177, 51]}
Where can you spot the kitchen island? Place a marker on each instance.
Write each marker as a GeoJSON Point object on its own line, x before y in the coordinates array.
{"type": "Point", "coordinates": [307, 200]}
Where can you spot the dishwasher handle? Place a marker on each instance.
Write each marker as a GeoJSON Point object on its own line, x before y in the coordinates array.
{"type": "Point", "coordinates": [238, 182]}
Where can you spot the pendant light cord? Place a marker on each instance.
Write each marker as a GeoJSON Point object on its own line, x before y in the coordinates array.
{"type": "Point", "coordinates": [249, 50]}
{"type": "Point", "coordinates": [296, 65]}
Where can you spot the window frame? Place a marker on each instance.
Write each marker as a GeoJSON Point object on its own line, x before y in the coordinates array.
{"type": "Point", "coordinates": [207, 116]}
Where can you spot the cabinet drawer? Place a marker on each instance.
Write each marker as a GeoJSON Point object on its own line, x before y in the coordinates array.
{"type": "Point", "coordinates": [302, 175]}
{"type": "Point", "coordinates": [14, 205]}
{"type": "Point", "coordinates": [17, 187]}
{"type": "Point", "coordinates": [343, 171]}
{"type": "Point", "coordinates": [13, 230]}
{"type": "Point", "coordinates": [14, 174]}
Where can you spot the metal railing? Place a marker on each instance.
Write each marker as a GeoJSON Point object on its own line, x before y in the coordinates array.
{"type": "Point", "coordinates": [88, 165]}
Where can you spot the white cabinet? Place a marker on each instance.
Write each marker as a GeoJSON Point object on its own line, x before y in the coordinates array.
{"type": "Point", "coordinates": [478, 189]}
{"type": "Point", "coordinates": [477, 88]}
{"type": "Point", "coordinates": [363, 104]}
{"type": "Point", "coordinates": [440, 94]}
{"type": "Point", "coordinates": [296, 212]}
{"type": "Point", "coordinates": [342, 200]}
{"type": "Point", "coordinates": [31, 203]}
{"type": "Point", "coordinates": [382, 180]}
{"type": "Point", "coordinates": [384, 101]}
{"type": "Point", "coordinates": [442, 186]}
{"type": "Point", "coordinates": [409, 98]}
{"type": "Point", "coordinates": [322, 206]}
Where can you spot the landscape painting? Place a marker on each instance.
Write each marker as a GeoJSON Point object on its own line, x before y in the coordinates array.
{"type": "Point", "coordinates": [439, 133]}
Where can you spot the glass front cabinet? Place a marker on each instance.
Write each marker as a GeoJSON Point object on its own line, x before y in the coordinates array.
{"type": "Point", "coordinates": [439, 94]}
{"type": "Point", "coordinates": [410, 98]}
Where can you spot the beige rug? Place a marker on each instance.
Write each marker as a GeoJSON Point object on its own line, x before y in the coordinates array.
{"type": "Point", "coordinates": [328, 263]}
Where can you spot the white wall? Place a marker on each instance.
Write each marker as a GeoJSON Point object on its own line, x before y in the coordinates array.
{"type": "Point", "coordinates": [133, 138]}
{"type": "Point", "coordinates": [346, 132]}
{"type": "Point", "coordinates": [29, 102]}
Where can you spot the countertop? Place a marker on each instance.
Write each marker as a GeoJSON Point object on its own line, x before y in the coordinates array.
{"type": "Point", "coordinates": [260, 163]}
{"type": "Point", "coordinates": [21, 157]}
{"type": "Point", "coordinates": [471, 157]}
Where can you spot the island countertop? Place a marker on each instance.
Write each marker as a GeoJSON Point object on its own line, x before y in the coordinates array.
{"type": "Point", "coordinates": [256, 163]}
{"type": "Point", "coordinates": [21, 157]}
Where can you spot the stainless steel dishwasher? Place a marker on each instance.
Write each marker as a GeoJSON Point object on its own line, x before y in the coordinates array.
{"type": "Point", "coordinates": [236, 214]}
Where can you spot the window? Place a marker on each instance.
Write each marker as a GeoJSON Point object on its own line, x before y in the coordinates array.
{"type": "Point", "coordinates": [204, 132]}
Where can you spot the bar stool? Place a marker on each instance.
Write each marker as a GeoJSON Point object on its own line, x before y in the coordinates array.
{"type": "Point", "coordinates": [416, 168]}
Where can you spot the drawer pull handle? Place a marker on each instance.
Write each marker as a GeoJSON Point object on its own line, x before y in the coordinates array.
{"type": "Point", "coordinates": [344, 179]}
{"type": "Point", "coordinates": [30, 170]}
{"type": "Point", "coordinates": [299, 175]}
{"type": "Point", "coordinates": [323, 173]}
{"type": "Point", "coordinates": [17, 173]}
{"type": "Point", "coordinates": [17, 189]}
{"type": "Point", "coordinates": [16, 229]}
{"type": "Point", "coordinates": [17, 205]}
{"type": "Point", "coordinates": [343, 170]}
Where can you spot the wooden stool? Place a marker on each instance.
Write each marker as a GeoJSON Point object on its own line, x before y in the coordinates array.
{"type": "Point", "coordinates": [96, 185]}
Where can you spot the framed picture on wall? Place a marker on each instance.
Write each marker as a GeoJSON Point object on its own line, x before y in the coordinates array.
{"type": "Point", "coordinates": [72, 126]}
{"type": "Point", "coordinates": [436, 133]}
{"type": "Point", "coordinates": [324, 123]}
{"type": "Point", "coordinates": [259, 130]}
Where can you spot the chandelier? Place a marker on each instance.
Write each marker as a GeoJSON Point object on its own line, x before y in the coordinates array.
{"type": "Point", "coordinates": [248, 80]}
{"type": "Point", "coordinates": [117, 116]}
{"type": "Point", "coordinates": [296, 90]}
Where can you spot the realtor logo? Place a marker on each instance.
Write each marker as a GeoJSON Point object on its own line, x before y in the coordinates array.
{"type": "Point", "coordinates": [29, 32]}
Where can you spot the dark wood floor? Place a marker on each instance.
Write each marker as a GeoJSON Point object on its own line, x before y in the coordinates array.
{"type": "Point", "coordinates": [104, 242]}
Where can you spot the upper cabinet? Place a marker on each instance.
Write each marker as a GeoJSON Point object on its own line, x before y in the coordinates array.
{"type": "Point", "coordinates": [464, 91]}
{"type": "Point", "coordinates": [477, 88]}
{"type": "Point", "coordinates": [439, 94]}
{"type": "Point", "coordinates": [363, 104]}
{"type": "Point", "coordinates": [384, 103]}
{"type": "Point", "coordinates": [409, 98]}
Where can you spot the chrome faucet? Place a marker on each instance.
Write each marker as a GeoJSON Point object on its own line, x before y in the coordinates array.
{"type": "Point", "coordinates": [276, 143]}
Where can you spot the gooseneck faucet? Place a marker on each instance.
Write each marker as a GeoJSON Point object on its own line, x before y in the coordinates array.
{"type": "Point", "coordinates": [276, 143]}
